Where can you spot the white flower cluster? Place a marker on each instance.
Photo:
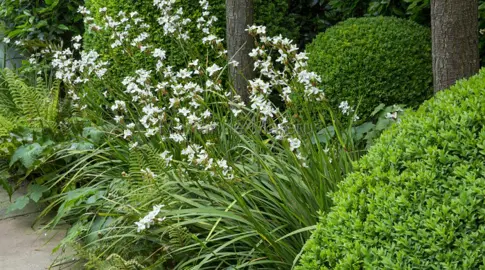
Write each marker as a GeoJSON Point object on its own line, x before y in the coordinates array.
{"type": "Point", "coordinates": [347, 109]}
{"type": "Point", "coordinates": [272, 79]}
{"type": "Point", "coordinates": [171, 20]}
{"type": "Point", "coordinates": [168, 104]}
{"type": "Point", "coordinates": [76, 71]}
{"type": "Point", "coordinates": [394, 114]}
{"type": "Point", "coordinates": [199, 156]}
{"type": "Point", "coordinates": [205, 24]}
{"type": "Point", "coordinates": [148, 174]}
{"type": "Point", "coordinates": [149, 219]}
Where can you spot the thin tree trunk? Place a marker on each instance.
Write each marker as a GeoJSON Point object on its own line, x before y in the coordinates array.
{"type": "Point", "coordinates": [454, 26]}
{"type": "Point", "coordinates": [239, 14]}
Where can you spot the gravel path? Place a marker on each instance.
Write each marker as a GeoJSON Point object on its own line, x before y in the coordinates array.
{"type": "Point", "coordinates": [23, 247]}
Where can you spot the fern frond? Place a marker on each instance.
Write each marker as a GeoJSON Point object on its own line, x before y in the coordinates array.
{"type": "Point", "coordinates": [179, 236]}
{"type": "Point", "coordinates": [53, 102]}
{"type": "Point", "coordinates": [6, 126]}
{"type": "Point", "coordinates": [137, 164]}
{"type": "Point", "coordinates": [23, 104]}
{"type": "Point", "coordinates": [27, 99]}
{"type": "Point", "coordinates": [117, 262]}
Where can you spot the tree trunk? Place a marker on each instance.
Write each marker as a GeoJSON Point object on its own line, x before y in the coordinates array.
{"type": "Point", "coordinates": [239, 14]}
{"type": "Point", "coordinates": [454, 25]}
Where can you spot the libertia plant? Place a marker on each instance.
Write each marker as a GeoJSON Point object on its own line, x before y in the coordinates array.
{"type": "Point", "coordinates": [180, 173]}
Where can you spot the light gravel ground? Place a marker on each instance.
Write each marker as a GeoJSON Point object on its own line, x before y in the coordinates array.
{"type": "Point", "coordinates": [23, 247]}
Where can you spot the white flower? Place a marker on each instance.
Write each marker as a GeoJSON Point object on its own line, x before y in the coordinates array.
{"type": "Point", "coordinates": [119, 105]}
{"type": "Point", "coordinates": [213, 69]}
{"type": "Point", "coordinates": [148, 220]}
{"type": "Point", "coordinates": [158, 53]}
{"type": "Point", "coordinates": [184, 111]}
{"type": "Point", "coordinates": [256, 52]}
{"type": "Point", "coordinates": [209, 39]}
{"type": "Point", "coordinates": [6, 40]}
{"type": "Point", "coordinates": [345, 108]}
{"type": "Point", "coordinates": [256, 29]}
{"type": "Point", "coordinates": [151, 132]}
{"type": "Point", "coordinates": [236, 111]}
{"type": "Point", "coordinates": [294, 143]}
{"type": "Point", "coordinates": [148, 173]}
{"type": "Point", "coordinates": [103, 9]}
{"type": "Point", "coordinates": [206, 114]}
{"type": "Point", "coordinates": [193, 119]}
{"type": "Point", "coordinates": [77, 38]}
{"type": "Point", "coordinates": [115, 44]}
{"type": "Point", "coordinates": [133, 145]}
{"type": "Point", "coordinates": [166, 156]}
{"type": "Point", "coordinates": [177, 137]}
{"type": "Point", "coordinates": [83, 10]}
{"type": "Point", "coordinates": [194, 63]}
{"type": "Point", "coordinates": [118, 118]}
{"type": "Point", "coordinates": [391, 115]}
{"type": "Point", "coordinates": [127, 133]}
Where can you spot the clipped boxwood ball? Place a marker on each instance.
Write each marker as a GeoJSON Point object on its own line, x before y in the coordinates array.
{"type": "Point", "coordinates": [374, 60]}
{"type": "Point", "coordinates": [417, 199]}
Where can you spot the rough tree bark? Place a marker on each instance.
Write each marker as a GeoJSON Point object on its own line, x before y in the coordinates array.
{"type": "Point", "coordinates": [239, 14]}
{"type": "Point", "coordinates": [454, 25]}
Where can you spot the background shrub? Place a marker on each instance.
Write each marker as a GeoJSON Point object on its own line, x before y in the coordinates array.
{"type": "Point", "coordinates": [416, 199]}
{"type": "Point", "coordinates": [36, 23]}
{"type": "Point", "coordinates": [316, 16]}
{"type": "Point", "coordinates": [374, 60]}
{"type": "Point", "coordinates": [271, 13]}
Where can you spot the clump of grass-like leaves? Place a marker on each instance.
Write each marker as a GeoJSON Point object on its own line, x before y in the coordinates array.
{"type": "Point", "coordinates": [185, 175]}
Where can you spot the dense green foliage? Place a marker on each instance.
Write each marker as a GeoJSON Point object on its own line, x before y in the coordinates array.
{"type": "Point", "coordinates": [24, 104]}
{"type": "Point", "coordinates": [228, 205]}
{"type": "Point", "coordinates": [171, 171]}
{"type": "Point", "coordinates": [272, 14]}
{"type": "Point", "coordinates": [27, 110]}
{"type": "Point", "coordinates": [368, 61]}
{"type": "Point", "coordinates": [316, 16]}
{"type": "Point", "coordinates": [36, 23]}
{"type": "Point", "coordinates": [416, 199]}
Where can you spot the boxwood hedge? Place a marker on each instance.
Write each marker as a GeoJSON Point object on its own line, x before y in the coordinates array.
{"type": "Point", "coordinates": [374, 60]}
{"type": "Point", "coordinates": [417, 199]}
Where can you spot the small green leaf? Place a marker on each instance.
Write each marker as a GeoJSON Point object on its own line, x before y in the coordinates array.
{"type": "Point", "coordinates": [363, 129]}
{"type": "Point", "coordinates": [41, 23]}
{"type": "Point", "coordinates": [19, 204]}
{"type": "Point", "coordinates": [27, 155]}
{"type": "Point", "coordinates": [6, 186]}
{"type": "Point", "coordinates": [325, 134]}
{"type": "Point", "coordinates": [63, 27]}
{"type": "Point", "coordinates": [36, 191]}
{"type": "Point", "coordinates": [92, 134]}
{"type": "Point", "coordinates": [81, 146]}
{"type": "Point", "coordinates": [378, 109]}
{"type": "Point", "coordinates": [383, 123]}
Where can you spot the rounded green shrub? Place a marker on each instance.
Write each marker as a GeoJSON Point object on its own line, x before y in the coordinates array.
{"type": "Point", "coordinates": [271, 13]}
{"type": "Point", "coordinates": [417, 199]}
{"type": "Point", "coordinates": [368, 61]}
